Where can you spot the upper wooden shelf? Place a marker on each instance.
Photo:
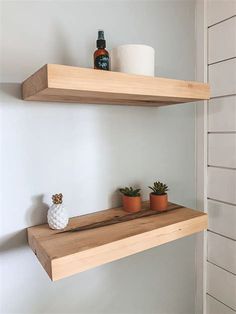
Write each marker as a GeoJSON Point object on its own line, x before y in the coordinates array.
{"type": "Point", "coordinates": [81, 85]}
{"type": "Point", "coordinates": [65, 254]}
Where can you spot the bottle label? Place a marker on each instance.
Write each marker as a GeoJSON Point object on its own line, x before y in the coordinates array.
{"type": "Point", "coordinates": [102, 62]}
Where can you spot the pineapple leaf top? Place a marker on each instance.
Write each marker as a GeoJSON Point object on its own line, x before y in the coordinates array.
{"type": "Point", "coordinates": [57, 198]}
{"type": "Point", "coordinates": [159, 188]}
{"type": "Point", "coordinates": [130, 191]}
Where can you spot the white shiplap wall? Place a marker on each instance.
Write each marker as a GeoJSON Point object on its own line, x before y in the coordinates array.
{"type": "Point", "coordinates": [221, 158]}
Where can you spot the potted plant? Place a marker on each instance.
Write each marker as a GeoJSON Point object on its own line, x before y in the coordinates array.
{"type": "Point", "coordinates": [158, 196]}
{"type": "Point", "coordinates": [131, 199]}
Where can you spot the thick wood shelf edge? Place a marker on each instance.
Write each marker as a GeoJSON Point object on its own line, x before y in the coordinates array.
{"type": "Point", "coordinates": [69, 253]}
{"type": "Point", "coordinates": [76, 263]}
{"type": "Point", "coordinates": [62, 83]}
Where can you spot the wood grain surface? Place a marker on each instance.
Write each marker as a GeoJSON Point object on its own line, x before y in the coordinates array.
{"type": "Point", "coordinates": [68, 253]}
{"type": "Point", "coordinates": [62, 83]}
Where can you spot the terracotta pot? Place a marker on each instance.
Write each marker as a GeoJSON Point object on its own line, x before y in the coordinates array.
{"type": "Point", "coordinates": [131, 203]}
{"type": "Point", "coordinates": [158, 202]}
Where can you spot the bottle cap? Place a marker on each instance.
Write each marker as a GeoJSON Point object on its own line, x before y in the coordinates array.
{"type": "Point", "coordinates": [101, 43]}
{"type": "Point", "coordinates": [100, 34]}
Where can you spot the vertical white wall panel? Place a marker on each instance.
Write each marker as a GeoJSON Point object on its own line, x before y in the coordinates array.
{"type": "Point", "coordinates": [222, 218]}
{"type": "Point", "coordinates": [219, 10]}
{"type": "Point", "coordinates": [222, 41]}
{"type": "Point", "coordinates": [222, 78]}
{"type": "Point", "coordinates": [215, 307]}
{"type": "Point", "coordinates": [222, 150]}
{"type": "Point", "coordinates": [222, 285]}
{"type": "Point", "coordinates": [221, 251]}
{"type": "Point", "coordinates": [222, 184]}
{"type": "Point", "coordinates": [222, 114]}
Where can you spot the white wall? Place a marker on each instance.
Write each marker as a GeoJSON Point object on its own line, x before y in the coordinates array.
{"type": "Point", "coordinates": [88, 151]}
{"type": "Point", "coordinates": [216, 153]}
{"type": "Point", "coordinates": [221, 158]}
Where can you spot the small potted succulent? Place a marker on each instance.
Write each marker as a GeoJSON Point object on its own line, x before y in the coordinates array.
{"type": "Point", "coordinates": [131, 199]}
{"type": "Point", "coordinates": [158, 196]}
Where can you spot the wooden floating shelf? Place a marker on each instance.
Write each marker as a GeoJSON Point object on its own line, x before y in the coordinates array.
{"type": "Point", "coordinates": [68, 253]}
{"type": "Point", "coordinates": [81, 85]}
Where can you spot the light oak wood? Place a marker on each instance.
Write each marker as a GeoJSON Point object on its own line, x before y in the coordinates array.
{"type": "Point", "coordinates": [81, 85]}
{"type": "Point", "coordinates": [65, 254]}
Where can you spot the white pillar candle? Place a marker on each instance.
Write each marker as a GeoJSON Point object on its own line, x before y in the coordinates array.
{"type": "Point", "coordinates": [133, 59]}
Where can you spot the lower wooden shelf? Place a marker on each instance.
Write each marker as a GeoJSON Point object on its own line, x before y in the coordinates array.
{"type": "Point", "coordinates": [63, 254]}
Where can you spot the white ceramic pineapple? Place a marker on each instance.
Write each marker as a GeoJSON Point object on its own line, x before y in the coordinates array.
{"type": "Point", "coordinates": [57, 215]}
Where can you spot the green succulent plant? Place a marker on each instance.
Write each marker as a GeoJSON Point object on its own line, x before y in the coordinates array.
{"type": "Point", "coordinates": [130, 191]}
{"type": "Point", "coordinates": [159, 188]}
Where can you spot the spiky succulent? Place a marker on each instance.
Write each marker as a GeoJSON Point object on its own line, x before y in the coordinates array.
{"type": "Point", "coordinates": [130, 191]}
{"type": "Point", "coordinates": [159, 188]}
